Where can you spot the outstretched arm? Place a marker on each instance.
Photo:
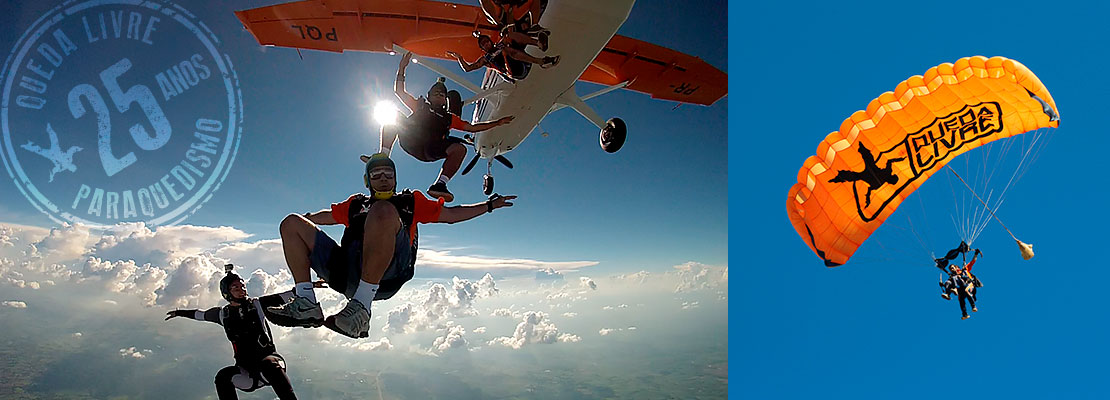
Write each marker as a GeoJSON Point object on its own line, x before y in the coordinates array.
{"type": "Point", "coordinates": [455, 214]}
{"type": "Point", "coordinates": [481, 126]}
{"type": "Point", "coordinates": [276, 299]}
{"type": "Point", "coordinates": [466, 66]}
{"type": "Point", "coordinates": [399, 84]}
{"type": "Point", "coordinates": [210, 315]}
{"type": "Point", "coordinates": [322, 217]}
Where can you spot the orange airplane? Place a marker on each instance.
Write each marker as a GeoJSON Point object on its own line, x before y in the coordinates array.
{"type": "Point", "coordinates": [583, 34]}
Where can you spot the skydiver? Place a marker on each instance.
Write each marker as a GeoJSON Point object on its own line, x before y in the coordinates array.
{"type": "Point", "coordinates": [500, 57]}
{"type": "Point", "coordinates": [425, 134]}
{"type": "Point", "coordinates": [523, 15]}
{"type": "Point", "coordinates": [963, 283]}
{"type": "Point", "coordinates": [871, 174]}
{"type": "Point", "coordinates": [257, 363]}
{"type": "Point", "coordinates": [377, 251]}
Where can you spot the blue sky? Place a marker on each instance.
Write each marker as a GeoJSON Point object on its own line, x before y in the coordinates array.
{"type": "Point", "coordinates": [879, 329]}
{"type": "Point", "coordinates": [661, 201]}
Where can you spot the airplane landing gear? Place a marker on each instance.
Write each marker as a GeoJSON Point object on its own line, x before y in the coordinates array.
{"type": "Point", "coordinates": [487, 180]}
{"type": "Point", "coordinates": [613, 135]}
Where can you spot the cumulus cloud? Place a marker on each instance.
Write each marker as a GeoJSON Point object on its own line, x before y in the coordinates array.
{"type": "Point", "coordinates": [587, 282]}
{"type": "Point", "coordinates": [263, 253]}
{"type": "Point", "coordinates": [686, 305]}
{"type": "Point", "coordinates": [505, 312]}
{"type": "Point", "coordinates": [380, 345]}
{"type": "Point", "coordinates": [549, 274]}
{"type": "Point", "coordinates": [438, 303]}
{"type": "Point", "coordinates": [132, 352]}
{"type": "Point", "coordinates": [696, 276]}
{"type": "Point", "coordinates": [535, 327]}
{"type": "Point", "coordinates": [452, 339]}
{"type": "Point", "coordinates": [261, 283]}
{"type": "Point", "coordinates": [13, 304]}
{"type": "Point", "coordinates": [636, 277]}
{"type": "Point", "coordinates": [8, 236]}
{"type": "Point", "coordinates": [480, 329]}
{"type": "Point", "coordinates": [135, 241]}
{"type": "Point", "coordinates": [67, 242]}
{"type": "Point", "coordinates": [570, 314]}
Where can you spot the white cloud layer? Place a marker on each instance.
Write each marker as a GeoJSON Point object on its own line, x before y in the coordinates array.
{"type": "Point", "coordinates": [444, 259]}
{"type": "Point", "coordinates": [438, 303]}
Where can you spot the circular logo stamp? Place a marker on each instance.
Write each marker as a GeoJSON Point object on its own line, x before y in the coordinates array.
{"type": "Point", "coordinates": [119, 111]}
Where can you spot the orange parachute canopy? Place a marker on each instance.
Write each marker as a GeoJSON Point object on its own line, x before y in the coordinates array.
{"type": "Point", "coordinates": [880, 155]}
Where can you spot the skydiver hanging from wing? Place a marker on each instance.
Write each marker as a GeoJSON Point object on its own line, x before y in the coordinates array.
{"type": "Point", "coordinates": [521, 16]}
{"type": "Point", "coordinates": [960, 280]}
{"type": "Point", "coordinates": [512, 62]}
{"type": "Point", "coordinates": [376, 255]}
{"type": "Point", "coordinates": [425, 134]}
{"type": "Point", "coordinates": [257, 363]}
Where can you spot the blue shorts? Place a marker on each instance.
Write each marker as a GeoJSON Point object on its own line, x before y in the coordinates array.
{"type": "Point", "coordinates": [341, 268]}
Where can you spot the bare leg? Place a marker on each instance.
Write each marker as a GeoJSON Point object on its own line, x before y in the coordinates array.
{"type": "Point", "coordinates": [455, 154]}
{"type": "Point", "coordinates": [298, 237]}
{"type": "Point", "coordinates": [379, 233]}
{"type": "Point", "coordinates": [517, 37]}
{"type": "Point", "coordinates": [522, 56]}
{"type": "Point", "coordinates": [388, 136]}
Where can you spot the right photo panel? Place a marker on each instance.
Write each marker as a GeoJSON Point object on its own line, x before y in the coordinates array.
{"type": "Point", "coordinates": [917, 195]}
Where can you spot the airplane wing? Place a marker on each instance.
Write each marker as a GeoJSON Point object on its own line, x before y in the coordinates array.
{"type": "Point", "coordinates": [431, 28]}
{"type": "Point", "coordinates": [661, 72]}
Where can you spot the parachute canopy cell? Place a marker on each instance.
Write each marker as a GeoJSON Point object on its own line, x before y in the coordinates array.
{"type": "Point", "coordinates": [880, 155]}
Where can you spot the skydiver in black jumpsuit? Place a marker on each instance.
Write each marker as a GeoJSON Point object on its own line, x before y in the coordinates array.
{"type": "Point", "coordinates": [257, 363]}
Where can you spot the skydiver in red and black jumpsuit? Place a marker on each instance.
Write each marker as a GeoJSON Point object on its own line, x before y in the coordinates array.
{"type": "Point", "coordinates": [960, 280]}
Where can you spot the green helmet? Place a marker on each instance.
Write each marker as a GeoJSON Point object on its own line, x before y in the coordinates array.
{"type": "Point", "coordinates": [375, 161]}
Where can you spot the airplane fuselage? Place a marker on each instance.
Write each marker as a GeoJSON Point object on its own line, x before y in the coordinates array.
{"type": "Point", "coordinates": [579, 29]}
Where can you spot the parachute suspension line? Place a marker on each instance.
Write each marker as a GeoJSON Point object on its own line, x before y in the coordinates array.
{"type": "Point", "coordinates": [918, 237]}
{"type": "Point", "coordinates": [962, 226]}
{"type": "Point", "coordinates": [1036, 144]}
{"type": "Point", "coordinates": [984, 204]}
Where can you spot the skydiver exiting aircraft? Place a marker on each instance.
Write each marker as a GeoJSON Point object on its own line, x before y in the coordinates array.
{"type": "Point", "coordinates": [960, 280]}
{"type": "Point", "coordinates": [425, 134]}
{"type": "Point", "coordinates": [871, 174]}
{"type": "Point", "coordinates": [519, 15]}
{"type": "Point", "coordinates": [511, 62]}
{"type": "Point", "coordinates": [377, 253]}
{"type": "Point", "coordinates": [257, 363]}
